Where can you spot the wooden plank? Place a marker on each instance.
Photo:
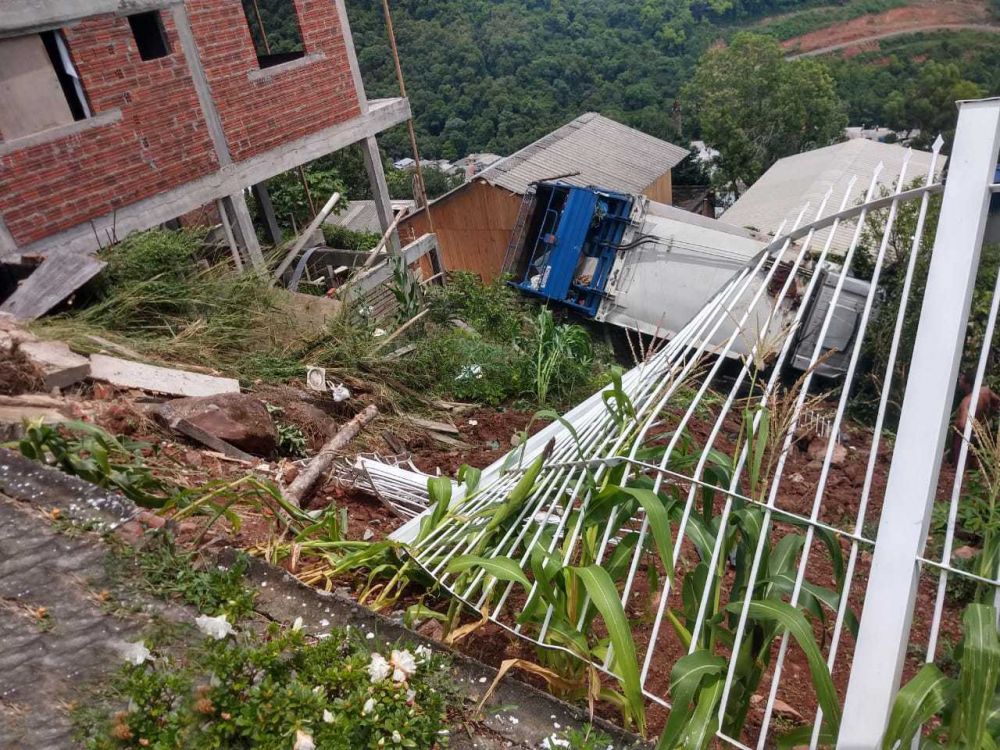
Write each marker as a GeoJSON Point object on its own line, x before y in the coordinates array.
{"type": "Point", "coordinates": [51, 283]}
{"type": "Point", "coordinates": [194, 432]}
{"type": "Point", "coordinates": [304, 238]}
{"type": "Point", "coordinates": [430, 424]}
{"type": "Point", "coordinates": [125, 374]}
{"type": "Point", "coordinates": [381, 273]}
{"type": "Point", "coordinates": [450, 441]}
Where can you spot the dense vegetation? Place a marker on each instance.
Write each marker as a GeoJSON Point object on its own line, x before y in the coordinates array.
{"type": "Point", "coordinates": [493, 76]}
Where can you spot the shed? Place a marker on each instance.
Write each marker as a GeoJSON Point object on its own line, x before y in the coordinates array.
{"type": "Point", "coordinates": [474, 222]}
{"type": "Point", "coordinates": [779, 195]}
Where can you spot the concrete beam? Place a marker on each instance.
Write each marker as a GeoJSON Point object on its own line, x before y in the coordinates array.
{"type": "Point", "coordinates": [228, 181]}
{"type": "Point", "coordinates": [380, 188]}
{"type": "Point", "coordinates": [27, 16]}
{"type": "Point", "coordinates": [352, 54]}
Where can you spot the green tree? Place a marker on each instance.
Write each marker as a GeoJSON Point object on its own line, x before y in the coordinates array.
{"type": "Point", "coordinates": [927, 103]}
{"type": "Point", "coordinates": [437, 182]}
{"type": "Point", "coordinates": [756, 107]}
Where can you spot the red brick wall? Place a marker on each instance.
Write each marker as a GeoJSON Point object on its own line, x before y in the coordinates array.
{"type": "Point", "coordinates": [259, 115]}
{"type": "Point", "coordinates": [161, 141]}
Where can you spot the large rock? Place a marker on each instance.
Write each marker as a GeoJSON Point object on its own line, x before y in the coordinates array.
{"type": "Point", "coordinates": [237, 418]}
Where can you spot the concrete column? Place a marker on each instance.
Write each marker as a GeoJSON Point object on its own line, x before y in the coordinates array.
{"type": "Point", "coordinates": [380, 189]}
{"type": "Point", "coordinates": [7, 244]}
{"type": "Point", "coordinates": [267, 209]}
{"type": "Point", "coordinates": [246, 235]}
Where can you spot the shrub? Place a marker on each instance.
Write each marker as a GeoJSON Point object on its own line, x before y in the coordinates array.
{"type": "Point", "coordinates": [494, 310]}
{"type": "Point", "coordinates": [265, 693]}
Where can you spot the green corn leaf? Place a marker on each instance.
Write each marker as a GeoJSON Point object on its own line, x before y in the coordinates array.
{"type": "Point", "coordinates": [500, 568]}
{"type": "Point", "coordinates": [659, 523]}
{"type": "Point", "coordinates": [685, 680]}
{"type": "Point", "coordinates": [604, 595]}
{"type": "Point", "coordinates": [618, 562]}
{"type": "Point", "coordinates": [782, 558]}
{"type": "Point", "coordinates": [828, 598]}
{"type": "Point", "coordinates": [704, 723]}
{"type": "Point", "coordinates": [918, 700]}
{"type": "Point", "coordinates": [802, 737]}
{"type": "Point", "coordinates": [792, 620]}
{"type": "Point", "coordinates": [439, 489]}
{"type": "Point", "coordinates": [470, 477]}
{"type": "Point", "coordinates": [416, 612]}
{"type": "Point", "coordinates": [980, 670]}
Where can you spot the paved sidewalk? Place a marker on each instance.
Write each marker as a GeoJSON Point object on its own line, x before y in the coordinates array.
{"type": "Point", "coordinates": [61, 615]}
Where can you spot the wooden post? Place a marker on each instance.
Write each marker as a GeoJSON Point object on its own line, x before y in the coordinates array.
{"type": "Point", "coordinates": [305, 482]}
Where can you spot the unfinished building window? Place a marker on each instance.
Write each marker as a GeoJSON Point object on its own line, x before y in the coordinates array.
{"type": "Point", "coordinates": [150, 37]}
{"type": "Point", "coordinates": [274, 26]}
{"type": "Point", "coordinates": [39, 86]}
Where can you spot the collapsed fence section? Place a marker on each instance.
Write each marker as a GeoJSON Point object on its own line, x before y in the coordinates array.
{"type": "Point", "coordinates": [693, 537]}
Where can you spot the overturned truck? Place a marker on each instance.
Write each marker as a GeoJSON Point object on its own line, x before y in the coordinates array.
{"type": "Point", "coordinates": [626, 260]}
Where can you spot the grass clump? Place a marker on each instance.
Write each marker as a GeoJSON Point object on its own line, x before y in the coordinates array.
{"type": "Point", "coordinates": [165, 571]}
{"type": "Point", "coordinates": [275, 691]}
{"type": "Point", "coordinates": [163, 295]}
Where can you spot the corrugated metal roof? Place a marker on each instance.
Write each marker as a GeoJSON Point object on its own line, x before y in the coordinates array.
{"type": "Point", "coordinates": [604, 152]}
{"type": "Point", "coordinates": [795, 180]}
{"type": "Point", "coordinates": [361, 216]}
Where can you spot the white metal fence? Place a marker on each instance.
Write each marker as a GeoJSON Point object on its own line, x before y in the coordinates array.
{"type": "Point", "coordinates": [763, 503]}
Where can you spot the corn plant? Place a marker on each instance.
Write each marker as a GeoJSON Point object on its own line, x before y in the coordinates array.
{"type": "Point", "coordinates": [961, 712]}
{"type": "Point", "coordinates": [560, 351]}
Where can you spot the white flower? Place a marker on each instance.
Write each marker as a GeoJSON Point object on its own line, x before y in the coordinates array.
{"type": "Point", "coordinates": [368, 707]}
{"type": "Point", "coordinates": [297, 625]}
{"type": "Point", "coordinates": [216, 627]}
{"type": "Point", "coordinates": [410, 695]}
{"type": "Point", "coordinates": [303, 741]}
{"type": "Point", "coordinates": [403, 664]}
{"type": "Point", "coordinates": [396, 736]}
{"type": "Point", "coordinates": [327, 717]}
{"type": "Point", "coordinates": [378, 333]}
{"type": "Point", "coordinates": [135, 653]}
{"type": "Point", "coordinates": [423, 654]}
{"type": "Point", "coordinates": [379, 668]}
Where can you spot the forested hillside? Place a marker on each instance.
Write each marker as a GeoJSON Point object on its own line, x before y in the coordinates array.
{"type": "Point", "coordinates": [492, 75]}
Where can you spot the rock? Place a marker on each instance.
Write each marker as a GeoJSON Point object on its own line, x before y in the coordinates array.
{"type": "Point", "coordinates": [817, 451]}
{"type": "Point", "coordinates": [965, 553]}
{"type": "Point", "coordinates": [236, 418]}
{"type": "Point", "coordinates": [432, 629]}
{"type": "Point", "coordinates": [796, 478]}
{"type": "Point", "coordinates": [784, 710]}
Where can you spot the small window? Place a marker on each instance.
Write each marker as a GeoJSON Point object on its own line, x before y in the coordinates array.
{"type": "Point", "coordinates": [40, 88]}
{"type": "Point", "coordinates": [274, 27]}
{"type": "Point", "coordinates": [150, 38]}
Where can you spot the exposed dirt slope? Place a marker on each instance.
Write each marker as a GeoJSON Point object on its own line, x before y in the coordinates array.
{"type": "Point", "coordinates": [920, 16]}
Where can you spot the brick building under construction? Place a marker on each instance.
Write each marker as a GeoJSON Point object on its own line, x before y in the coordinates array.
{"type": "Point", "coordinates": [120, 115]}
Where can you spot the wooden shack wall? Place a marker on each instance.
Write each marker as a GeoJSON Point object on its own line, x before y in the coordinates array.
{"type": "Point", "coordinates": [661, 191]}
{"type": "Point", "coordinates": [473, 227]}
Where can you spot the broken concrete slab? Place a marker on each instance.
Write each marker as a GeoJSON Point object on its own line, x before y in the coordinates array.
{"type": "Point", "coordinates": [171, 381]}
{"type": "Point", "coordinates": [223, 422]}
{"type": "Point", "coordinates": [50, 284]}
{"type": "Point", "coordinates": [58, 366]}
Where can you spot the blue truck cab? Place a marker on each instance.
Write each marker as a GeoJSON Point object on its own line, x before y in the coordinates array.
{"type": "Point", "coordinates": [575, 235]}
